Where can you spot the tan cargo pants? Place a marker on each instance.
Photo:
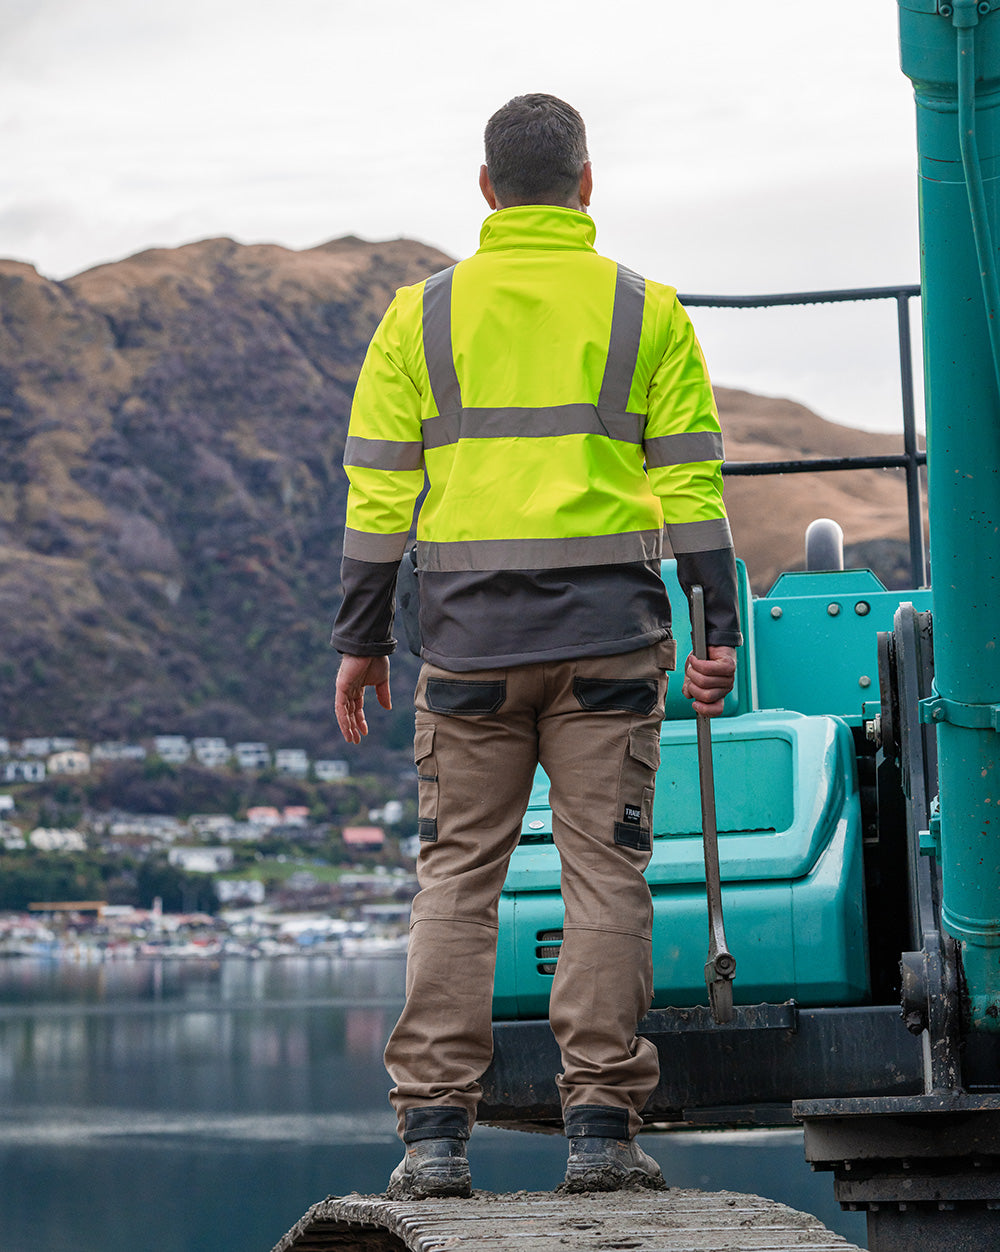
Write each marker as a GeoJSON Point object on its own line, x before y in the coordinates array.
{"type": "Point", "coordinates": [593, 724]}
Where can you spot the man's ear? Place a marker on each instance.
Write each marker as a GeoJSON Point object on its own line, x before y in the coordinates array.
{"type": "Point", "coordinates": [486, 187]}
{"type": "Point", "coordinates": [586, 184]}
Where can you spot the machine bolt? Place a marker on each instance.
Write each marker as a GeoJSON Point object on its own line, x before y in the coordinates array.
{"type": "Point", "coordinates": [938, 715]}
{"type": "Point", "coordinates": [833, 609]}
{"type": "Point", "coordinates": [864, 681]}
{"type": "Point", "coordinates": [862, 608]}
{"type": "Point", "coordinates": [984, 7]}
{"type": "Point", "coordinates": [873, 729]}
{"type": "Point", "coordinates": [776, 612]}
{"type": "Point", "coordinates": [946, 10]}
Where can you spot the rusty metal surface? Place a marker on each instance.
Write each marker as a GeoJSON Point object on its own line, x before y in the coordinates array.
{"type": "Point", "coordinates": [668, 1221]}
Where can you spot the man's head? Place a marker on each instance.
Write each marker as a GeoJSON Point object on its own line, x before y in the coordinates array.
{"type": "Point", "coordinates": [536, 153]}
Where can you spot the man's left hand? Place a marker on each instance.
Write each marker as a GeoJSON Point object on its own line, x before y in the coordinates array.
{"type": "Point", "coordinates": [707, 683]}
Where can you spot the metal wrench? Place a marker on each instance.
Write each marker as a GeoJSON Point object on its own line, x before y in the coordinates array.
{"type": "Point", "coordinates": [721, 964]}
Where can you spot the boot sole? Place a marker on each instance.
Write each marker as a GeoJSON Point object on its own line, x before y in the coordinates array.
{"type": "Point", "coordinates": [424, 1186]}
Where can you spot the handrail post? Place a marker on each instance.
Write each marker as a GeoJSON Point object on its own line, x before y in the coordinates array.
{"type": "Point", "coordinates": [918, 558]}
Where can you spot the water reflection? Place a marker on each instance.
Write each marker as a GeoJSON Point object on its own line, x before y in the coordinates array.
{"type": "Point", "coordinates": [179, 1106]}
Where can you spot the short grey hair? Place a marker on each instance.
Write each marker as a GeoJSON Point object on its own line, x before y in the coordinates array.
{"type": "Point", "coordinates": [536, 148]}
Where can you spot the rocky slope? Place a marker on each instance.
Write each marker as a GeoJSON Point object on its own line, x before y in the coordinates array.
{"type": "Point", "coordinates": [171, 499]}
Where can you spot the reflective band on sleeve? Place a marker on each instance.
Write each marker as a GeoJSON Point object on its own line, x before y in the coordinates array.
{"type": "Point", "coordinates": [623, 349]}
{"type": "Point", "coordinates": [383, 454]}
{"type": "Point", "coordinates": [684, 448]}
{"type": "Point", "coordinates": [361, 545]}
{"type": "Point", "coordinates": [437, 342]}
{"type": "Point", "coordinates": [484, 554]}
{"type": "Point", "coordinates": [699, 536]}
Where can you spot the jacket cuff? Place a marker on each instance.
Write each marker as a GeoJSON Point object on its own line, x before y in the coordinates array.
{"type": "Point", "coordinates": [364, 621]}
{"type": "Point", "coordinates": [715, 570]}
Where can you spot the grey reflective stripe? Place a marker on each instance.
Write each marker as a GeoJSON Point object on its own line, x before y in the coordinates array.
{"type": "Point", "coordinates": [548, 422]}
{"type": "Point", "coordinates": [623, 349]}
{"type": "Point", "coordinates": [684, 448]}
{"type": "Point", "coordinates": [699, 536]}
{"type": "Point", "coordinates": [383, 454]}
{"type": "Point", "coordinates": [440, 431]}
{"type": "Point", "coordinates": [437, 342]}
{"type": "Point", "coordinates": [360, 545]}
{"type": "Point", "coordinates": [487, 554]}
{"type": "Point", "coordinates": [611, 417]}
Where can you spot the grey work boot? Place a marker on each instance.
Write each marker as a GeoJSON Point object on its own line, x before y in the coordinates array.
{"type": "Point", "coordinates": [431, 1167]}
{"type": "Point", "coordinates": [599, 1164]}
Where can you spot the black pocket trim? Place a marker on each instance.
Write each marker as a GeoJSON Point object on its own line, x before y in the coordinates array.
{"type": "Point", "coordinates": [427, 829]}
{"type": "Point", "coordinates": [629, 836]}
{"type": "Point", "coordinates": [606, 695]}
{"type": "Point", "coordinates": [465, 696]}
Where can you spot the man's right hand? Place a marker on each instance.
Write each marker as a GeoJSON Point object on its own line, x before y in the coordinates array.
{"type": "Point", "coordinates": [707, 683]}
{"type": "Point", "coordinates": [355, 674]}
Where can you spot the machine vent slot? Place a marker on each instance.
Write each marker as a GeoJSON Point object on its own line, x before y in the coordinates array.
{"type": "Point", "coordinates": [547, 950]}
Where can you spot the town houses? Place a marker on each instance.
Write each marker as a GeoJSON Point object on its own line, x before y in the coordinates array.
{"type": "Point", "coordinates": [36, 757]}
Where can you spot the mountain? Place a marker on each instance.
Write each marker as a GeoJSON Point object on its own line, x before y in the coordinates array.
{"type": "Point", "coordinates": [171, 497]}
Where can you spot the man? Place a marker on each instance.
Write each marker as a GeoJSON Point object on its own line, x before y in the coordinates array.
{"type": "Point", "coordinates": [561, 409]}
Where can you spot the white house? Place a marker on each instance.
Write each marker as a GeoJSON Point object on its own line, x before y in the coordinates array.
{"type": "Point", "coordinates": [24, 771]}
{"type": "Point", "coordinates": [4, 747]}
{"type": "Point", "coordinates": [252, 756]}
{"type": "Point", "coordinates": [69, 761]}
{"type": "Point", "coordinates": [212, 753]}
{"type": "Point", "coordinates": [244, 890]}
{"type": "Point", "coordinates": [292, 761]}
{"type": "Point", "coordinates": [201, 860]}
{"type": "Point", "coordinates": [331, 771]}
{"type": "Point", "coordinates": [51, 839]}
{"type": "Point", "coordinates": [36, 746]}
{"type": "Point", "coordinates": [6, 804]}
{"type": "Point", "coordinates": [111, 750]}
{"type": "Point", "coordinates": [174, 749]}
{"type": "Point", "coordinates": [11, 838]}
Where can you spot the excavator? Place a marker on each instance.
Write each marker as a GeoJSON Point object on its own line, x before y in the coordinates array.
{"type": "Point", "coordinates": [851, 828]}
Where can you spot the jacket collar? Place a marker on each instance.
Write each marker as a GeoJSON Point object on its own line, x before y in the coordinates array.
{"type": "Point", "coordinates": [541, 226]}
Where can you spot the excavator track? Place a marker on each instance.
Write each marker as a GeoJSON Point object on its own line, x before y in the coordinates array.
{"type": "Point", "coordinates": [667, 1221]}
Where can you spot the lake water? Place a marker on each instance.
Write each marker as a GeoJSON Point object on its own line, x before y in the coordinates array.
{"type": "Point", "coordinates": [202, 1107]}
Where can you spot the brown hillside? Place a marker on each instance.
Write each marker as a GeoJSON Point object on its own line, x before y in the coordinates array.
{"type": "Point", "coordinates": [171, 497]}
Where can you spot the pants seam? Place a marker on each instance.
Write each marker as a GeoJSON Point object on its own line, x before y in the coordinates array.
{"type": "Point", "coordinates": [468, 921]}
{"type": "Point", "coordinates": [610, 930]}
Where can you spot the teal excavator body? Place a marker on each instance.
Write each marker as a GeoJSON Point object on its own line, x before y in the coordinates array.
{"type": "Point", "coordinates": [857, 785]}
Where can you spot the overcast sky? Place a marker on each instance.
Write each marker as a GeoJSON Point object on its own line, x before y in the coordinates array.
{"type": "Point", "coordinates": [737, 148]}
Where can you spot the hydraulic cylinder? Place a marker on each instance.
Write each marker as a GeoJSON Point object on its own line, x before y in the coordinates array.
{"type": "Point", "coordinates": [951, 52]}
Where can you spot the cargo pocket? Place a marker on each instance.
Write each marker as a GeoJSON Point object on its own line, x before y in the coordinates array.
{"type": "Point", "coordinates": [616, 695]}
{"type": "Point", "coordinates": [636, 788]}
{"type": "Point", "coordinates": [464, 696]}
{"type": "Point", "coordinates": [427, 783]}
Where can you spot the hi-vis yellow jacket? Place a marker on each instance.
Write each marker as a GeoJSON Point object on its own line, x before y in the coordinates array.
{"type": "Point", "coordinates": [560, 409]}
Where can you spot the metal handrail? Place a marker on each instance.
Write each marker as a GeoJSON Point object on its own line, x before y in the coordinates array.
{"type": "Point", "coordinates": [909, 460]}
